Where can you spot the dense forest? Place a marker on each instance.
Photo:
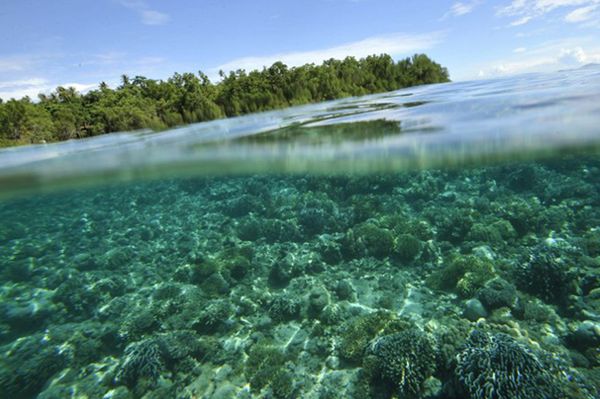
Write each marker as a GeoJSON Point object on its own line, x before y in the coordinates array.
{"type": "Point", "coordinates": [140, 102]}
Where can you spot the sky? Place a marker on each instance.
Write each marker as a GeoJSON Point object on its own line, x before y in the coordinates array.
{"type": "Point", "coordinates": [80, 43]}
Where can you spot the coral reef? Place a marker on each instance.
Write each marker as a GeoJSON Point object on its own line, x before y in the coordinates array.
{"type": "Point", "coordinates": [294, 286]}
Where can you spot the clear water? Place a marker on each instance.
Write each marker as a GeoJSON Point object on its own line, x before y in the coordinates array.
{"type": "Point", "coordinates": [436, 242]}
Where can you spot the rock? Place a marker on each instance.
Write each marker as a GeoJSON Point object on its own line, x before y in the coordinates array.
{"type": "Point", "coordinates": [497, 293]}
{"type": "Point", "coordinates": [432, 388]}
{"type": "Point", "coordinates": [586, 335]}
{"type": "Point", "coordinates": [474, 310]}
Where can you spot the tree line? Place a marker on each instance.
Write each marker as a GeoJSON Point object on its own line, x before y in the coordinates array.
{"type": "Point", "coordinates": [140, 102]}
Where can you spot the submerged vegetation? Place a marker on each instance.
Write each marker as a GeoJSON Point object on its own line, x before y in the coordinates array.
{"type": "Point", "coordinates": [140, 102]}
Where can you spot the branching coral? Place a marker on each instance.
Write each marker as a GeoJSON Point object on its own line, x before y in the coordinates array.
{"type": "Point", "coordinates": [405, 359]}
{"type": "Point", "coordinates": [496, 366]}
{"type": "Point", "coordinates": [142, 360]}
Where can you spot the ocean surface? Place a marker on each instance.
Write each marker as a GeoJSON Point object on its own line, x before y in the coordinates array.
{"type": "Point", "coordinates": [440, 241]}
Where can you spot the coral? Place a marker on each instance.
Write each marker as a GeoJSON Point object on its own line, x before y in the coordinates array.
{"type": "Point", "coordinates": [407, 247]}
{"type": "Point", "coordinates": [275, 230]}
{"type": "Point", "coordinates": [547, 274]}
{"type": "Point", "coordinates": [497, 293]}
{"type": "Point", "coordinates": [215, 285]}
{"type": "Point", "coordinates": [265, 366]}
{"type": "Point", "coordinates": [496, 366]}
{"type": "Point", "coordinates": [525, 215]}
{"type": "Point", "coordinates": [249, 229]}
{"type": "Point", "coordinates": [344, 290]}
{"type": "Point", "coordinates": [140, 322]}
{"type": "Point", "coordinates": [496, 233]}
{"type": "Point", "coordinates": [370, 240]}
{"type": "Point", "coordinates": [405, 359]}
{"type": "Point", "coordinates": [281, 273]}
{"type": "Point", "coordinates": [30, 362]}
{"type": "Point", "coordinates": [284, 307]}
{"type": "Point", "coordinates": [329, 249]}
{"type": "Point", "coordinates": [453, 224]}
{"type": "Point", "coordinates": [318, 299]}
{"type": "Point", "coordinates": [464, 274]}
{"type": "Point", "coordinates": [314, 220]}
{"type": "Point", "coordinates": [75, 295]}
{"type": "Point", "coordinates": [213, 317]}
{"type": "Point", "coordinates": [176, 346]}
{"type": "Point", "coordinates": [142, 359]}
{"type": "Point", "coordinates": [242, 205]}
{"type": "Point", "coordinates": [357, 333]}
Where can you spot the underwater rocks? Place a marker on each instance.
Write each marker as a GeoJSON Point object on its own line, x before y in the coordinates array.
{"type": "Point", "coordinates": [28, 364]}
{"type": "Point", "coordinates": [474, 310]}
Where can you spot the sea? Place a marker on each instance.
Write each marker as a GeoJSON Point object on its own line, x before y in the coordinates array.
{"type": "Point", "coordinates": [440, 241]}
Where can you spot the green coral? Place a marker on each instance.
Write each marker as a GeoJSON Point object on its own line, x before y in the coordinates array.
{"type": "Point", "coordinates": [284, 308]}
{"type": "Point", "coordinates": [368, 239]}
{"type": "Point", "coordinates": [265, 367]}
{"type": "Point", "coordinates": [464, 274]}
{"type": "Point", "coordinates": [407, 247]}
{"type": "Point", "coordinates": [357, 333]}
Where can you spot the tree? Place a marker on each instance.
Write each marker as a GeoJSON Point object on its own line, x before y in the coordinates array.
{"type": "Point", "coordinates": [141, 102]}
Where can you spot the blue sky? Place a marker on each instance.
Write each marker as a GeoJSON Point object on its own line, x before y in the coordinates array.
{"type": "Point", "coordinates": [82, 42]}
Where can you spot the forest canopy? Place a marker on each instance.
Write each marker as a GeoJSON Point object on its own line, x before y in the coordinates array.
{"type": "Point", "coordinates": [140, 102]}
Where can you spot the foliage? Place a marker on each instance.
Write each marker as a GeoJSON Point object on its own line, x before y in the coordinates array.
{"type": "Point", "coordinates": [188, 98]}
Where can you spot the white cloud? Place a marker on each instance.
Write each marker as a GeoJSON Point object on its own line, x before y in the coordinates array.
{"type": "Point", "coordinates": [15, 63]}
{"type": "Point", "coordinates": [151, 17]}
{"type": "Point", "coordinates": [520, 50]}
{"type": "Point", "coordinates": [147, 15]}
{"type": "Point", "coordinates": [520, 21]}
{"type": "Point", "coordinates": [461, 8]}
{"type": "Point", "coordinates": [566, 53]}
{"type": "Point", "coordinates": [34, 86]}
{"type": "Point", "coordinates": [22, 83]}
{"type": "Point", "coordinates": [393, 44]}
{"type": "Point", "coordinates": [525, 10]}
{"type": "Point", "coordinates": [581, 14]}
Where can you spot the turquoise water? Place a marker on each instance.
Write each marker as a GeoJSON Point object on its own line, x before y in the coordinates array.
{"type": "Point", "coordinates": [436, 242]}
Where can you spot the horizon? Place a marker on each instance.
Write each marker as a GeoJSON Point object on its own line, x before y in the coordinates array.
{"type": "Point", "coordinates": [92, 42]}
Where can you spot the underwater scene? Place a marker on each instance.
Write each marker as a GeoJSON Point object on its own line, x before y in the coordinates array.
{"type": "Point", "coordinates": [440, 241]}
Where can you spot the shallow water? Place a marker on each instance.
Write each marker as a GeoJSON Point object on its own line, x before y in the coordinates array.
{"type": "Point", "coordinates": [436, 242]}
